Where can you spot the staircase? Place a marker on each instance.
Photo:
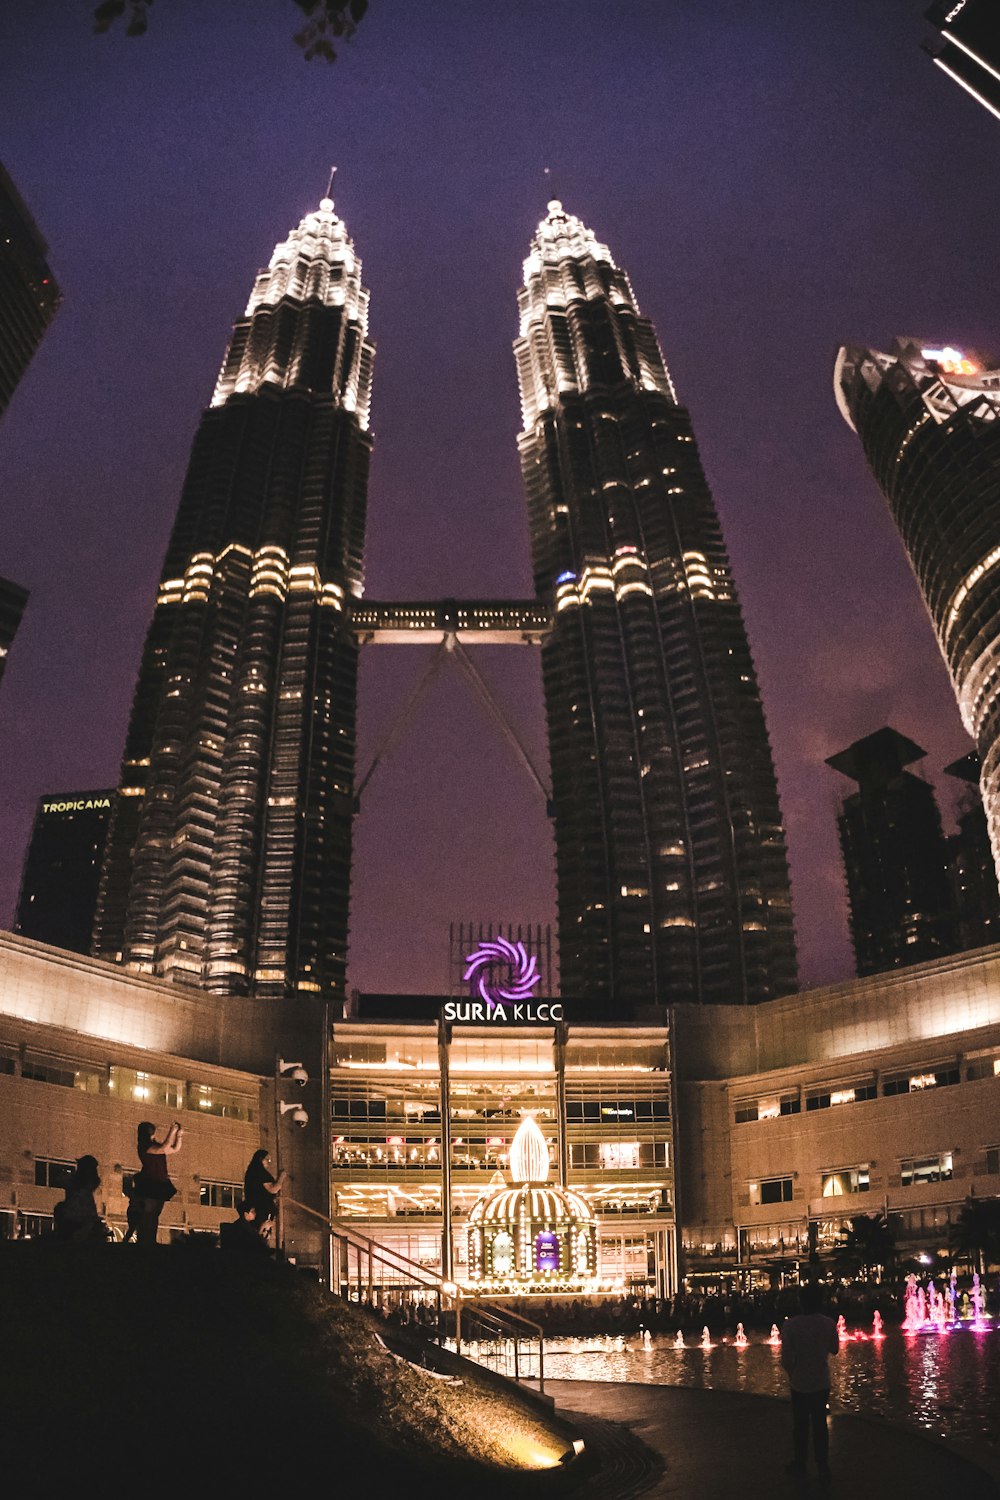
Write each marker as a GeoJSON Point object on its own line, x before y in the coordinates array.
{"type": "Point", "coordinates": [373, 1275]}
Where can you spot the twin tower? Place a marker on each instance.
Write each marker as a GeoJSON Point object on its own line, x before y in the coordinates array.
{"type": "Point", "coordinates": [229, 858]}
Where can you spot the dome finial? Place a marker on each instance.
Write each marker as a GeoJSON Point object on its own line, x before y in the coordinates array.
{"type": "Point", "coordinates": [529, 1155]}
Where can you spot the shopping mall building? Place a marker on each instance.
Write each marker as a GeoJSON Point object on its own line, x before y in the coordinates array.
{"type": "Point", "coordinates": [757, 1130]}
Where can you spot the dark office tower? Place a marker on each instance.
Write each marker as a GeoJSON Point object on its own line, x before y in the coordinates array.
{"type": "Point", "coordinates": [28, 292]}
{"type": "Point", "coordinates": [974, 890]}
{"type": "Point", "coordinates": [228, 859]}
{"type": "Point", "coordinates": [895, 857]}
{"type": "Point", "coordinates": [968, 49]}
{"type": "Point", "coordinates": [13, 598]}
{"type": "Point", "coordinates": [928, 422]}
{"type": "Point", "coordinates": [62, 869]}
{"type": "Point", "coordinates": [670, 854]}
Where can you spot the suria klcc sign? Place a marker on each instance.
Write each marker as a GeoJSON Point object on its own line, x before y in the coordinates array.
{"type": "Point", "coordinates": [503, 976]}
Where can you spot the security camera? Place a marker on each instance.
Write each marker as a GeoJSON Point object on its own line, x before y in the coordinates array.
{"type": "Point", "coordinates": [298, 1114]}
{"type": "Point", "coordinates": [293, 1071]}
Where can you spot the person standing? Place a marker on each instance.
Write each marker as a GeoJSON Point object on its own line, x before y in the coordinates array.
{"type": "Point", "coordinates": [260, 1190]}
{"type": "Point", "coordinates": [151, 1188]}
{"type": "Point", "coordinates": [806, 1341]}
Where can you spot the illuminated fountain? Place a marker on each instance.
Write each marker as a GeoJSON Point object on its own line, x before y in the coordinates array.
{"type": "Point", "coordinates": [932, 1311]}
{"type": "Point", "coordinates": [678, 1340]}
{"type": "Point", "coordinates": [937, 1309]}
{"type": "Point", "coordinates": [741, 1341]}
{"type": "Point", "coordinates": [842, 1332]}
{"type": "Point", "coordinates": [913, 1312]}
{"type": "Point", "coordinates": [775, 1338]}
{"type": "Point", "coordinates": [534, 1236]}
{"type": "Point", "coordinates": [877, 1326]}
{"type": "Point", "coordinates": [979, 1322]}
{"type": "Point", "coordinates": [706, 1339]}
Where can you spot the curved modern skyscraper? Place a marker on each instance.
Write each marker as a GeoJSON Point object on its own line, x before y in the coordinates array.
{"type": "Point", "coordinates": [228, 859]}
{"type": "Point", "coordinates": [670, 853]}
{"type": "Point", "coordinates": [929, 422]}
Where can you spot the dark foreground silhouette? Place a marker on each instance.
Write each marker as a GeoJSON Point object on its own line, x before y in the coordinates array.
{"type": "Point", "coordinates": [173, 1365]}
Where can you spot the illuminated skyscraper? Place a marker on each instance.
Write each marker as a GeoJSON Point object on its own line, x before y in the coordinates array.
{"type": "Point", "coordinates": [929, 423]}
{"type": "Point", "coordinates": [228, 859]}
{"type": "Point", "coordinates": [29, 295]}
{"type": "Point", "coordinates": [670, 853]}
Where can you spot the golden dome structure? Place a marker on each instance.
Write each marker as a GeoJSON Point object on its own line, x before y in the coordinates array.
{"type": "Point", "coordinates": [534, 1236]}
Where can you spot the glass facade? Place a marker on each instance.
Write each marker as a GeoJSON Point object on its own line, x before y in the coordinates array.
{"type": "Point", "coordinates": [228, 858]}
{"type": "Point", "coordinates": [418, 1120]}
{"type": "Point", "coordinates": [928, 422]}
{"type": "Point", "coordinates": [670, 852]}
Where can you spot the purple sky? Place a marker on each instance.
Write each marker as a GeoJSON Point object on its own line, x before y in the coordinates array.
{"type": "Point", "coordinates": [775, 178]}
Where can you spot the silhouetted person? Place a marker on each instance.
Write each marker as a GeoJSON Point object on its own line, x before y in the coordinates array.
{"type": "Point", "coordinates": [151, 1187]}
{"type": "Point", "coordinates": [260, 1190]}
{"type": "Point", "coordinates": [242, 1234]}
{"type": "Point", "coordinates": [76, 1218]}
{"type": "Point", "coordinates": [806, 1341]}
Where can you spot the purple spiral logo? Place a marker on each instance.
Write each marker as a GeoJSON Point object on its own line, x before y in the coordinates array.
{"type": "Point", "coordinates": [501, 971]}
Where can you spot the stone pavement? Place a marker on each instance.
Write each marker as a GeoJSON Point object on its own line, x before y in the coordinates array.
{"type": "Point", "coordinates": [719, 1445]}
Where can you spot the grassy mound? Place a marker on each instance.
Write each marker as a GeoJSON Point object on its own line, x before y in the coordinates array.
{"type": "Point", "coordinates": [174, 1365]}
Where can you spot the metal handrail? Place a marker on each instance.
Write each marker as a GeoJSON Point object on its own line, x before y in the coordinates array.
{"type": "Point", "coordinates": [446, 1293]}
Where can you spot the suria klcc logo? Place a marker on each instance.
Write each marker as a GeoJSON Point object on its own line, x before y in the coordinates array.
{"type": "Point", "coordinates": [503, 975]}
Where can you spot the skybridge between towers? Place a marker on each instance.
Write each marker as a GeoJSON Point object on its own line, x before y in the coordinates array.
{"type": "Point", "coordinates": [451, 625]}
{"type": "Point", "coordinates": [469, 622]}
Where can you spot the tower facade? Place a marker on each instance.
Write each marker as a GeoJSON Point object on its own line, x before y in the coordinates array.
{"type": "Point", "coordinates": [670, 853]}
{"type": "Point", "coordinates": [228, 857]}
{"type": "Point", "coordinates": [62, 869]}
{"type": "Point", "coordinates": [29, 295]}
{"type": "Point", "coordinates": [13, 598]}
{"type": "Point", "coordinates": [928, 422]}
{"type": "Point", "coordinates": [895, 857]}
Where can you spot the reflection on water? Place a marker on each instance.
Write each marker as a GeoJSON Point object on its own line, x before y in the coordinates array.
{"type": "Point", "coordinates": [947, 1384]}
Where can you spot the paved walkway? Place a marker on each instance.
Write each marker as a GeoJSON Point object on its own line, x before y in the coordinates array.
{"type": "Point", "coordinates": [720, 1445]}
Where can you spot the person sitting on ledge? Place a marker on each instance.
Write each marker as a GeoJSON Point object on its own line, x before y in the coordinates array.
{"type": "Point", "coordinates": [76, 1218]}
{"type": "Point", "coordinates": [241, 1233]}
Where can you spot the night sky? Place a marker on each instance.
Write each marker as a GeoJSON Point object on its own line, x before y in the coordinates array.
{"type": "Point", "coordinates": [776, 179]}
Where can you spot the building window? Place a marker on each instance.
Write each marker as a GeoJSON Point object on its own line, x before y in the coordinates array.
{"type": "Point", "coordinates": [845, 1180]}
{"type": "Point", "coordinates": [619, 1155]}
{"type": "Point", "coordinates": [53, 1172]}
{"type": "Point", "coordinates": [770, 1108]}
{"type": "Point", "coordinates": [219, 1194]}
{"type": "Point", "coordinates": [223, 1102]}
{"type": "Point", "coordinates": [993, 1160]}
{"type": "Point", "coordinates": [978, 1067]}
{"type": "Point", "coordinates": [830, 1095]}
{"type": "Point", "coordinates": [607, 1111]}
{"type": "Point", "coordinates": [64, 1073]}
{"type": "Point", "coordinates": [915, 1083]}
{"type": "Point", "coordinates": [146, 1088]}
{"type": "Point", "coordinates": [926, 1169]}
{"type": "Point", "coordinates": [775, 1190]}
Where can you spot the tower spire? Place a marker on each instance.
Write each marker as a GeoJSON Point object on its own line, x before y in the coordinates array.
{"type": "Point", "coordinates": [329, 186]}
